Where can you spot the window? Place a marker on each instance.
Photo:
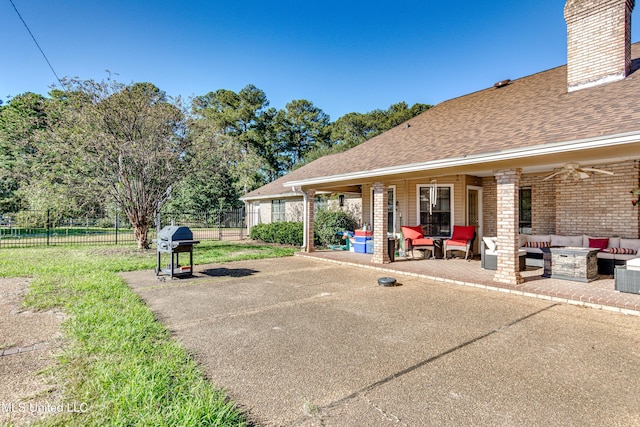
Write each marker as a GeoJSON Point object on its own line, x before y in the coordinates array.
{"type": "Point", "coordinates": [391, 211]}
{"type": "Point", "coordinates": [278, 211]}
{"type": "Point", "coordinates": [524, 210]}
{"type": "Point", "coordinates": [320, 203]}
{"type": "Point", "coordinates": [435, 216]}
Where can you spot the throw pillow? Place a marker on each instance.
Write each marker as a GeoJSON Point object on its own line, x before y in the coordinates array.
{"type": "Point", "coordinates": [622, 251]}
{"type": "Point", "coordinates": [538, 244]}
{"type": "Point", "coordinates": [410, 232]}
{"type": "Point", "coordinates": [599, 243]}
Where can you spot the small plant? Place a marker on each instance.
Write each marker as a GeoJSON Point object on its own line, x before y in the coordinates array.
{"type": "Point", "coordinates": [286, 233]}
{"type": "Point", "coordinates": [310, 409]}
{"type": "Point", "coordinates": [329, 222]}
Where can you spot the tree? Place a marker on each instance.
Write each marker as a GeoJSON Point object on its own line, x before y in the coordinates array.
{"type": "Point", "coordinates": [125, 141]}
{"type": "Point", "coordinates": [353, 129]}
{"type": "Point", "coordinates": [21, 122]}
{"type": "Point", "coordinates": [302, 127]}
{"type": "Point", "coordinates": [224, 127]}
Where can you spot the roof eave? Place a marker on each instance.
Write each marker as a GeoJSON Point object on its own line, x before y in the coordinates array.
{"type": "Point", "coordinates": [271, 196]}
{"type": "Point", "coordinates": [474, 159]}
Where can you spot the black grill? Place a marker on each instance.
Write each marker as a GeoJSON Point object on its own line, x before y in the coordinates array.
{"type": "Point", "coordinates": [174, 240]}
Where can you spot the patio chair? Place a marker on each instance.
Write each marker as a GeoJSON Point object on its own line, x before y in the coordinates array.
{"type": "Point", "coordinates": [414, 239]}
{"type": "Point", "coordinates": [461, 240]}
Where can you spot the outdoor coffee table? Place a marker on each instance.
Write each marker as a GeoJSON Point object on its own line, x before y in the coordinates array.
{"type": "Point", "coordinates": [570, 263]}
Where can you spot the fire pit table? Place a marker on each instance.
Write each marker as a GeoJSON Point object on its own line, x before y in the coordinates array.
{"type": "Point", "coordinates": [174, 240]}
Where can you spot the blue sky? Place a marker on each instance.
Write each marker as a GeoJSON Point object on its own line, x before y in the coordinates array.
{"type": "Point", "coordinates": [343, 56]}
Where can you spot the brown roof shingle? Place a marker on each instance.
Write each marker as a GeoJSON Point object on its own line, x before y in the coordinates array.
{"type": "Point", "coordinates": [530, 111]}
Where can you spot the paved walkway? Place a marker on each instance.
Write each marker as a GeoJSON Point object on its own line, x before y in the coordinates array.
{"type": "Point", "coordinates": [300, 342]}
{"type": "Point", "coordinates": [597, 294]}
{"type": "Point", "coordinates": [28, 341]}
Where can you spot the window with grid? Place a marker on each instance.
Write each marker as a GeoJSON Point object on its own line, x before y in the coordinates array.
{"type": "Point", "coordinates": [435, 218]}
{"type": "Point", "coordinates": [278, 211]}
{"type": "Point", "coordinates": [524, 209]}
{"type": "Point", "coordinates": [320, 203]}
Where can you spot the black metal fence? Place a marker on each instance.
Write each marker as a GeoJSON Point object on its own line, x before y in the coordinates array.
{"type": "Point", "coordinates": [43, 228]}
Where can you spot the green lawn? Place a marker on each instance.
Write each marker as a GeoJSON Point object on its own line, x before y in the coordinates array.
{"type": "Point", "coordinates": [118, 359]}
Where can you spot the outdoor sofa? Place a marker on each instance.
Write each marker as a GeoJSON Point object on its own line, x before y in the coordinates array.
{"type": "Point", "coordinates": [614, 251]}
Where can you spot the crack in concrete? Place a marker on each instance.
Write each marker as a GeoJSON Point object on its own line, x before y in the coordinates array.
{"type": "Point", "coordinates": [261, 309]}
{"type": "Point", "coordinates": [412, 368]}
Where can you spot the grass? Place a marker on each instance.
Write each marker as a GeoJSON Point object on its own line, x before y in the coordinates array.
{"type": "Point", "coordinates": [119, 363]}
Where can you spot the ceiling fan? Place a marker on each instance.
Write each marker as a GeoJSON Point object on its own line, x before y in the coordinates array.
{"type": "Point", "coordinates": [575, 172]}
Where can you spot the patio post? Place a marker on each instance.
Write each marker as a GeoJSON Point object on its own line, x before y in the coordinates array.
{"type": "Point", "coordinates": [308, 196]}
{"type": "Point", "coordinates": [380, 224]}
{"type": "Point", "coordinates": [508, 187]}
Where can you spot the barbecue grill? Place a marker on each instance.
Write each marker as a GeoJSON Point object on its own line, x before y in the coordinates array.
{"type": "Point", "coordinates": [174, 240]}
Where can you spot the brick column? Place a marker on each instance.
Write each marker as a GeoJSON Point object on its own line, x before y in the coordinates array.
{"type": "Point", "coordinates": [380, 224]}
{"type": "Point", "coordinates": [308, 220]}
{"type": "Point", "coordinates": [508, 186]}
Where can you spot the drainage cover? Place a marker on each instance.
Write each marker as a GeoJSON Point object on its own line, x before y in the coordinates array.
{"type": "Point", "coordinates": [386, 281]}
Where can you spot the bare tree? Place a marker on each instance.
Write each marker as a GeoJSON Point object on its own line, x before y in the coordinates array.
{"type": "Point", "coordinates": [124, 140]}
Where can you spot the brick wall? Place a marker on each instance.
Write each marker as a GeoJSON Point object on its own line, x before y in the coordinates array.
{"type": "Point", "coordinates": [507, 191]}
{"type": "Point", "coordinates": [309, 224]}
{"type": "Point", "coordinates": [543, 204]}
{"type": "Point", "coordinates": [380, 226]}
{"type": "Point", "coordinates": [598, 41]}
{"type": "Point", "coordinates": [600, 205]}
{"type": "Point", "coordinates": [489, 207]}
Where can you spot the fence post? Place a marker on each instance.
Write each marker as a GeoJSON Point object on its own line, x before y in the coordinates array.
{"type": "Point", "coordinates": [117, 225]}
{"type": "Point", "coordinates": [243, 214]}
{"type": "Point", "coordinates": [220, 224]}
{"type": "Point", "coordinates": [48, 225]}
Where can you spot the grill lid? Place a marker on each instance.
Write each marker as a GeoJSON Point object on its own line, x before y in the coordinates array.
{"type": "Point", "coordinates": [175, 232]}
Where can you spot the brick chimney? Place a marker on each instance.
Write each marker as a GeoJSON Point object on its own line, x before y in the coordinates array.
{"type": "Point", "coordinates": [599, 41]}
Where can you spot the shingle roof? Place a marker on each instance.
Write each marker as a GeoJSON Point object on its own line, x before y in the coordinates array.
{"type": "Point", "coordinates": [530, 111]}
{"type": "Point", "coordinates": [277, 188]}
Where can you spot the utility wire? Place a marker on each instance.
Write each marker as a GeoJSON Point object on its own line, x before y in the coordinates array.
{"type": "Point", "coordinates": [36, 42]}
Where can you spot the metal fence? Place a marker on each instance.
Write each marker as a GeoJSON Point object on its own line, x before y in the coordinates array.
{"type": "Point", "coordinates": [45, 228]}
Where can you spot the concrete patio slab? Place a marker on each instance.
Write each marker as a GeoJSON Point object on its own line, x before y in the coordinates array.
{"type": "Point", "coordinates": [298, 341]}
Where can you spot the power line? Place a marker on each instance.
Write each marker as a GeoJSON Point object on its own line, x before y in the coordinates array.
{"type": "Point", "coordinates": [37, 44]}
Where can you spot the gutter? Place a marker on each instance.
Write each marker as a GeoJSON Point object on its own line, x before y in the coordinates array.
{"type": "Point", "coordinates": [272, 196]}
{"type": "Point", "coordinates": [474, 159]}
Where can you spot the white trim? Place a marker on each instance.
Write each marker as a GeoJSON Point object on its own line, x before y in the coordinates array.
{"type": "Point", "coordinates": [305, 221]}
{"type": "Point", "coordinates": [474, 159]}
{"type": "Point", "coordinates": [451, 201]}
{"type": "Point", "coordinates": [272, 196]}
{"type": "Point", "coordinates": [480, 229]}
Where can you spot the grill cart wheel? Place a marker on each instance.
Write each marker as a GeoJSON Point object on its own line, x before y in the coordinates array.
{"type": "Point", "coordinates": [386, 281]}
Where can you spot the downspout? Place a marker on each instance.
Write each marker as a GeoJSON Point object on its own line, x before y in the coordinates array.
{"type": "Point", "coordinates": [305, 220]}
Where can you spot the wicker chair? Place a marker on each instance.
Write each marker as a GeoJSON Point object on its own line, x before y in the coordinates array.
{"type": "Point", "coordinates": [461, 240]}
{"type": "Point", "coordinates": [414, 239]}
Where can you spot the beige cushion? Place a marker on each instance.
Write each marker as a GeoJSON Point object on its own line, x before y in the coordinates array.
{"type": "Point", "coordinates": [574, 241]}
{"type": "Point", "coordinates": [630, 244]}
{"type": "Point", "coordinates": [633, 264]}
{"type": "Point", "coordinates": [538, 238]}
{"type": "Point", "coordinates": [491, 242]}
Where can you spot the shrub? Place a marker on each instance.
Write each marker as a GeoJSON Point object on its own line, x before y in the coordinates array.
{"type": "Point", "coordinates": [286, 233]}
{"type": "Point", "coordinates": [330, 222]}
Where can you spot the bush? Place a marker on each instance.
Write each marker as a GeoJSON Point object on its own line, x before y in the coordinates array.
{"type": "Point", "coordinates": [286, 233]}
{"type": "Point", "coordinates": [330, 222]}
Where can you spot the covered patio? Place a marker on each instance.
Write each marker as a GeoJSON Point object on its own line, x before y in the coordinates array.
{"type": "Point", "coordinates": [598, 294]}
